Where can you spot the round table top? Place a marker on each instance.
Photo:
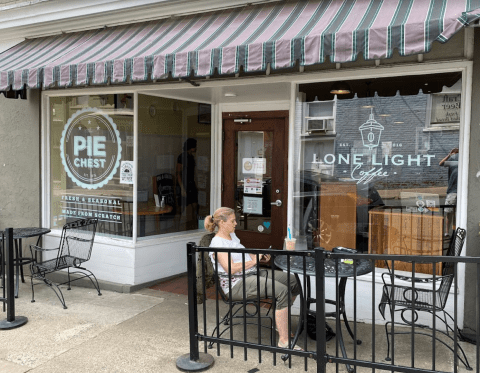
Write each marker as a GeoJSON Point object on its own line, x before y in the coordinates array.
{"type": "Point", "coordinates": [344, 270]}
{"type": "Point", "coordinates": [28, 232]}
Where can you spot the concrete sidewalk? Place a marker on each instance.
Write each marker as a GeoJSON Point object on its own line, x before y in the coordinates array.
{"type": "Point", "coordinates": [140, 332]}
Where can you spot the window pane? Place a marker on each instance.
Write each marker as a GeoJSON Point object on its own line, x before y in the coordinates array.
{"type": "Point", "coordinates": [379, 174]}
{"type": "Point", "coordinates": [174, 163]}
{"type": "Point", "coordinates": [91, 158]}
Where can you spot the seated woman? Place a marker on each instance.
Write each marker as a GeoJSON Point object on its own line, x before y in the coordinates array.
{"type": "Point", "coordinates": [224, 220]}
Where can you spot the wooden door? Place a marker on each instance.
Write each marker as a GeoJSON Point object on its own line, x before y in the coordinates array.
{"type": "Point", "coordinates": [254, 175]}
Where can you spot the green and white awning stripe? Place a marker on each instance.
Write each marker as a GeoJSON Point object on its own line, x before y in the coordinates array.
{"type": "Point", "coordinates": [279, 34]}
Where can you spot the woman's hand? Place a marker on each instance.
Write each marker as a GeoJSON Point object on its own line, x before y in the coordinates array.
{"type": "Point", "coordinates": [265, 258]}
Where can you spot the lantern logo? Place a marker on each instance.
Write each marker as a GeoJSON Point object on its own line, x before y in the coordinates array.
{"type": "Point", "coordinates": [90, 148]}
{"type": "Point", "coordinates": [371, 132]}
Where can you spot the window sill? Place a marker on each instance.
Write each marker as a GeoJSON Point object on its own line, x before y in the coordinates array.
{"type": "Point", "coordinates": [453, 127]}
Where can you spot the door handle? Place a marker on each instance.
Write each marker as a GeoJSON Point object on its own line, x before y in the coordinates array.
{"type": "Point", "coordinates": [277, 203]}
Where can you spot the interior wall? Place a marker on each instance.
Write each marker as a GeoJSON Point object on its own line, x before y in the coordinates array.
{"type": "Point", "coordinates": [20, 161]}
{"type": "Point", "coordinates": [473, 205]}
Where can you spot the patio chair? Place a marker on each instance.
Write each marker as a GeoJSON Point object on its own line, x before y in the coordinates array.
{"type": "Point", "coordinates": [410, 299]}
{"type": "Point", "coordinates": [234, 315]}
{"type": "Point", "coordinates": [75, 248]}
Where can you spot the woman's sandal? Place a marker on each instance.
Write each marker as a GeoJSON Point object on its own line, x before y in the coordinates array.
{"type": "Point", "coordinates": [295, 348]}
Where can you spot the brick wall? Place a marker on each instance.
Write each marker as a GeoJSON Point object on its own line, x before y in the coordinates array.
{"type": "Point", "coordinates": [405, 139]}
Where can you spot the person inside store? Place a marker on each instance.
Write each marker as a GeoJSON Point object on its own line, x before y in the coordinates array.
{"type": "Point", "coordinates": [224, 221]}
{"type": "Point", "coordinates": [451, 161]}
{"type": "Point", "coordinates": [187, 193]}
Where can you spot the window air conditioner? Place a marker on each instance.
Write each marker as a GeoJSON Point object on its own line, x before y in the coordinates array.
{"type": "Point", "coordinates": [316, 124]}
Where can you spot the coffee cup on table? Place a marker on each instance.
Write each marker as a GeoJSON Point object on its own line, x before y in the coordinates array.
{"type": "Point", "coordinates": [290, 243]}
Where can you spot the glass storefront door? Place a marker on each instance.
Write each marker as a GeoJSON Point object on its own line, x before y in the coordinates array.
{"type": "Point", "coordinates": [254, 182]}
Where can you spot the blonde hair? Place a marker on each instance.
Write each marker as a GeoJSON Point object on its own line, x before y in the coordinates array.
{"type": "Point", "coordinates": [211, 221]}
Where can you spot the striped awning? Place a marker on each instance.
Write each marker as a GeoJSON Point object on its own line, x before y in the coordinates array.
{"type": "Point", "coordinates": [279, 34]}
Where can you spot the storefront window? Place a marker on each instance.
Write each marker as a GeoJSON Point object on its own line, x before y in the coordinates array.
{"type": "Point", "coordinates": [378, 169]}
{"type": "Point", "coordinates": [174, 153]}
{"type": "Point", "coordinates": [91, 155]}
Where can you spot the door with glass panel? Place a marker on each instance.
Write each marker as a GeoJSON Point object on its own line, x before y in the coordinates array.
{"type": "Point", "coordinates": [254, 176]}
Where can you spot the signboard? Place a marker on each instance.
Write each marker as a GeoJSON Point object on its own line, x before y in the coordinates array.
{"type": "Point", "coordinates": [257, 166]}
{"type": "Point", "coordinates": [252, 186]}
{"type": "Point", "coordinates": [126, 172]}
{"type": "Point", "coordinates": [90, 148]}
{"type": "Point", "coordinates": [106, 209]}
{"type": "Point", "coordinates": [252, 205]}
{"type": "Point", "coordinates": [446, 108]}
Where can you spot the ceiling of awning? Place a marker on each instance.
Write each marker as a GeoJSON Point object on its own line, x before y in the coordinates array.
{"type": "Point", "coordinates": [383, 87]}
{"type": "Point", "coordinates": [249, 38]}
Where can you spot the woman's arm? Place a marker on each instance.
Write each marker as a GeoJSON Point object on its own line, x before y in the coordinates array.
{"type": "Point", "coordinates": [236, 267]}
{"type": "Point", "coordinates": [179, 178]}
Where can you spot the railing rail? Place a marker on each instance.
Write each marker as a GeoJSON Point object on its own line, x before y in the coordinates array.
{"type": "Point", "coordinates": [322, 264]}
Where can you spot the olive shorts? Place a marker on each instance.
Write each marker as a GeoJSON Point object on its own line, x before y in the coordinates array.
{"type": "Point", "coordinates": [266, 287]}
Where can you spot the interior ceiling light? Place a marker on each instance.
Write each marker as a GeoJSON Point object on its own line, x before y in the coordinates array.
{"type": "Point", "coordinates": [230, 94]}
{"type": "Point", "coordinates": [385, 115]}
{"type": "Point", "coordinates": [340, 88]}
{"type": "Point", "coordinates": [398, 122]}
{"type": "Point", "coordinates": [368, 107]}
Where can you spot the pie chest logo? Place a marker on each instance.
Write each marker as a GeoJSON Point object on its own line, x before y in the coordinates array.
{"type": "Point", "coordinates": [90, 148]}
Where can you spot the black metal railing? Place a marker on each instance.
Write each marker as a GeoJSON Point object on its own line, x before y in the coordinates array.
{"type": "Point", "coordinates": [8, 282]}
{"type": "Point", "coordinates": [338, 283]}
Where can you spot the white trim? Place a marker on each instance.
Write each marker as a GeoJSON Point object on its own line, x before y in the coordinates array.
{"type": "Point", "coordinates": [216, 170]}
{"type": "Point", "coordinates": [5, 45]}
{"type": "Point", "coordinates": [45, 160]}
{"type": "Point", "coordinates": [173, 97]}
{"type": "Point", "coordinates": [290, 149]}
{"type": "Point", "coordinates": [135, 166]}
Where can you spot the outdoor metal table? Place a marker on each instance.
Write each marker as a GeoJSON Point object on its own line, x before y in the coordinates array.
{"type": "Point", "coordinates": [344, 272]}
{"type": "Point", "coordinates": [19, 260]}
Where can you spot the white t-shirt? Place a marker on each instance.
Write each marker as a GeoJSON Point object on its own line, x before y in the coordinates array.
{"type": "Point", "coordinates": [236, 258]}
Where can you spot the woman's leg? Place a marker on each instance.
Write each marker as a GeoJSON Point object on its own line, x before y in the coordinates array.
{"type": "Point", "coordinates": [266, 291]}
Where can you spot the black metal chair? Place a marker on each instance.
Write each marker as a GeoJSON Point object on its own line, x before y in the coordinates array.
{"type": "Point", "coordinates": [410, 299]}
{"type": "Point", "coordinates": [234, 316]}
{"type": "Point", "coordinates": [75, 248]}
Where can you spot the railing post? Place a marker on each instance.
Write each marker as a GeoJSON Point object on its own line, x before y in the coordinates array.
{"type": "Point", "coordinates": [320, 309]}
{"type": "Point", "coordinates": [11, 322]}
{"type": "Point", "coordinates": [194, 361]}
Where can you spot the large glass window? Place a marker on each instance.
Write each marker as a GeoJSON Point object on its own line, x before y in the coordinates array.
{"type": "Point", "coordinates": [378, 168]}
{"type": "Point", "coordinates": [91, 157]}
{"type": "Point", "coordinates": [174, 153]}
{"type": "Point", "coordinates": [92, 163]}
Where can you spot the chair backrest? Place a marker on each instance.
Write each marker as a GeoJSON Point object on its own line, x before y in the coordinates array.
{"type": "Point", "coordinates": [205, 242]}
{"type": "Point", "coordinates": [77, 239]}
{"type": "Point", "coordinates": [208, 267]}
{"type": "Point", "coordinates": [448, 271]}
{"type": "Point", "coordinates": [166, 188]}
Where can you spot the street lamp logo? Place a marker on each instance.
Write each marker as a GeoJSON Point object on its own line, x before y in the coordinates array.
{"type": "Point", "coordinates": [371, 132]}
{"type": "Point", "coordinates": [90, 148]}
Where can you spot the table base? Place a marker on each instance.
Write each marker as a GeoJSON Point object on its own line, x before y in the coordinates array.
{"type": "Point", "coordinates": [19, 321]}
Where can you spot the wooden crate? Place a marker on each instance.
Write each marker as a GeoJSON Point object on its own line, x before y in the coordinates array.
{"type": "Point", "coordinates": [395, 231]}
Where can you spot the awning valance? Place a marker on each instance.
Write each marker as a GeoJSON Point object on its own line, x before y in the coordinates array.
{"type": "Point", "coordinates": [279, 34]}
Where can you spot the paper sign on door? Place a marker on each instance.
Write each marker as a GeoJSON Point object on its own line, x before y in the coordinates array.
{"type": "Point", "coordinates": [252, 205]}
{"type": "Point", "coordinates": [252, 186]}
{"type": "Point", "coordinates": [257, 166]}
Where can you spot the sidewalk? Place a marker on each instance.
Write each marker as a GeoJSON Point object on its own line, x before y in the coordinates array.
{"type": "Point", "coordinates": [117, 332]}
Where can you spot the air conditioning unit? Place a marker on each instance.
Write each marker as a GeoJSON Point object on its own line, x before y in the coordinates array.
{"type": "Point", "coordinates": [316, 124]}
